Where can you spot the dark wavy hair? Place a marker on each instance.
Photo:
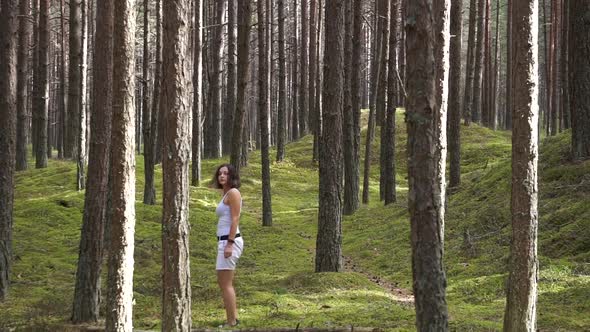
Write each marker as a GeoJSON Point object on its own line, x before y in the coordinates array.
{"type": "Point", "coordinates": [233, 175]}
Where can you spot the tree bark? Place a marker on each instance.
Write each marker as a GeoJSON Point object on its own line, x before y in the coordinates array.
{"type": "Point", "coordinates": [281, 116]}
{"type": "Point", "coordinates": [579, 53]}
{"type": "Point", "coordinates": [74, 93]}
{"type": "Point", "coordinates": [230, 101]}
{"type": "Point", "coordinates": [149, 190]}
{"type": "Point", "coordinates": [197, 137]}
{"type": "Point", "coordinates": [62, 86]}
{"type": "Point", "coordinates": [81, 154]}
{"type": "Point", "coordinates": [455, 94]}
{"type": "Point", "coordinates": [509, 73]}
{"type": "Point", "coordinates": [382, 95]}
{"type": "Point", "coordinates": [213, 136]}
{"type": "Point", "coordinates": [42, 86]}
{"type": "Point", "coordinates": [88, 285]}
{"type": "Point", "coordinates": [244, 17]}
{"type": "Point", "coordinates": [120, 276]}
{"type": "Point", "coordinates": [176, 294]}
{"type": "Point", "coordinates": [329, 237]}
{"type": "Point", "coordinates": [263, 110]}
{"type": "Point", "coordinates": [313, 60]}
{"type": "Point", "coordinates": [470, 66]}
{"type": "Point", "coordinates": [304, 85]}
{"type": "Point", "coordinates": [8, 85]}
{"type": "Point", "coordinates": [520, 314]}
{"type": "Point", "coordinates": [295, 78]}
{"type": "Point", "coordinates": [24, 36]}
{"type": "Point", "coordinates": [427, 47]}
{"type": "Point", "coordinates": [479, 62]}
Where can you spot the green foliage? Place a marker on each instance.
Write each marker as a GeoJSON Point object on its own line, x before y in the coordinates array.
{"type": "Point", "coordinates": [275, 282]}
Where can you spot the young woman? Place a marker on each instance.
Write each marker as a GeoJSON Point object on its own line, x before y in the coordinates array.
{"type": "Point", "coordinates": [229, 241]}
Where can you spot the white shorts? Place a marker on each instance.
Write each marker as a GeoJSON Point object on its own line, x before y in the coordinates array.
{"type": "Point", "coordinates": [230, 262]}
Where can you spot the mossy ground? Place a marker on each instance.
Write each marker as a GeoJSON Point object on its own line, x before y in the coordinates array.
{"type": "Point", "coordinates": [275, 281]}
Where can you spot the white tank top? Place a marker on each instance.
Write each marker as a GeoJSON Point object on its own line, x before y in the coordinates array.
{"type": "Point", "coordinates": [224, 214]}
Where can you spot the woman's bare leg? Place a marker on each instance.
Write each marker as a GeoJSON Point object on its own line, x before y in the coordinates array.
{"type": "Point", "coordinates": [225, 280]}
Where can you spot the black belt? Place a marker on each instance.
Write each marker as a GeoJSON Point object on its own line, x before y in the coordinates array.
{"type": "Point", "coordinates": [225, 237]}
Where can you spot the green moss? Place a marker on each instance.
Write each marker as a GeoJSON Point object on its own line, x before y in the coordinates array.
{"type": "Point", "coordinates": [275, 281]}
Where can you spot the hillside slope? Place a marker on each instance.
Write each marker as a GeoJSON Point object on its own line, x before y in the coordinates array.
{"type": "Point", "coordinates": [275, 281]}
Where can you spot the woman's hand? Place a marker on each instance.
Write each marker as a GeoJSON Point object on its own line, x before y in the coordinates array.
{"type": "Point", "coordinates": [228, 250]}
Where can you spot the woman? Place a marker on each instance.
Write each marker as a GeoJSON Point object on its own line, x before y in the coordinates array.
{"type": "Point", "coordinates": [229, 241]}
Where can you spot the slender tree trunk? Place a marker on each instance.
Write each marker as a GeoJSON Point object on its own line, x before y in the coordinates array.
{"type": "Point", "coordinates": [312, 111]}
{"type": "Point", "coordinates": [382, 95]}
{"type": "Point", "coordinates": [213, 138]}
{"type": "Point", "coordinates": [427, 47]}
{"type": "Point", "coordinates": [565, 97]}
{"type": "Point", "coordinates": [476, 107]}
{"type": "Point", "coordinates": [281, 119]}
{"type": "Point", "coordinates": [81, 155]}
{"type": "Point", "coordinates": [149, 190]}
{"type": "Point", "coordinates": [230, 101]}
{"type": "Point", "coordinates": [263, 110]}
{"type": "Point", "coordinates": [120, 277]}
{"type": "Point", "coordinates": [157, 114]}
{"type": "Point", "coordinates": [8, 85]}
{"type": "Point", "coordinates": [509, 69]}
{"type": "Point", "coordinates": [34, 114]}
{"type": "Point", "coordinates": [62, 86]}
{"type": "Point", "coordinates": [579, 53]}
{"type": "Point", "coordinates": [455, 94]}
{"type": "Point", "coordinates": [348, 116]}
{"type": "Point", "coordinates": [88, 285]}
{"type": "Point", "coordinates": [520, 314]}
{"type": "Point", "coordinates": [329, 237]}
{"type": "Point", "coordinates": [42, 86]}
{"type": "Point", "coordinates": [244, 17]}
{"type": "Point", "coordinates": [303, 86]}
{"type": "Point", "coordinates": [176, 295]}
{"type": "Point", "coordinates": [24, 36]}
{"type": "Point", "coordinates": [197, 137]}
{"type": "Point", "coordinates": [74, 92]}
{"type": "Point", "coordinates": [296, 80]}
{"type": "Point", "coordinates": [556, 66]}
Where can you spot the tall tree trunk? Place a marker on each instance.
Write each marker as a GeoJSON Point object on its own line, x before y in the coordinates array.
{"type": "Point", "coordinates": [382, 96]}
{"type": "Point", "coordinates": [24, 36]}
{"type": "Point", "coordinates": [556, 66]}
{"type": "Point", "coordinates": [295, 78]}
{"type": "Point", "coordinates": [579, 53]}
{"type": "Point", "coordinates": [471, 59]}
{"type": "Point", "coordinates": [312, 111]}
{"type": "Point", "coordinates": [8, 85]}
{"type": "Point", "coordinates": [35, 71]}
{"type": "Point", "coordinates": [176, 295]}
{"type": "Point", "coordinates": [62, 86]}
{"type": "Point", "coordinates": [42, 86]}
{"type": "Point", "coordinates": [230, 101]}
{"type": "Point", "coordinates": [476, 106]}
{"type": "Point", "coordinates": [263, 110]}
{"type": "Point", "coordinates": [149, 189]}
{"type": "Point", "coordinates": [348, 115]}
{"type": "Point", "coordinates": [565, 71]}
{"type": "Point", "coordinates": [509, 67]}
{"type": "Point", "coordinates": [120, 277]}
{"type": "Point", "coordinates": [455, 93]}
{"type": "Point", "coordinates": [157, 113]}
{"type": "Point", "coordinates": [213, 137]}
{"type": "Point", "coordinates": [351, 185]}
{"type": "Point", "coordinates": [389, 193]}
{"type": "Point", "coordinates": [329, 237]}
{"type": "Point", "coordinates": [244, 17]}
{"type": "Point", "coordinates": [520, 314]}
{"type": "Point", "coordinates": [281, 118]}
{"type": "Point", "coordinates": [427, 47]}
{"type": "Point", "coordinates": [74, 79]}
{"type": "Point", "coordinates": [303, 86]}
{"type": "Point", "coordinates": [197, 137]}
{"type": "Point", "coordinates": [496, 69]}
{"type": "Point", "coordinates": [81, 155]}
{"type": "Point", "coordinates": [88, 285]}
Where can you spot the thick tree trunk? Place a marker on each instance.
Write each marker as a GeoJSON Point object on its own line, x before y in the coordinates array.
{"type": "Point", "coordinates": [176, 85]}
{"type": "Point", "coordinates": [470, 66]}
{"type": "Point", "coordinates": [455, 94]}
{"type": "Point", "coordinates": [197, 137]}
{"type": "Point", "coordinates": [42, 86]}
{"type": "Point", "coordinates": [427, 47]}
{"type": "Point", "coordinates": [263, 110]}
{"type": "Point", "coordinates": [329, 237]}
{"type": "Point", "coordinates": [244, 17]}
{"type": "Point", "coordinates": [87, 291]}
{"type": "Point", "coordinates": [579, 53]}
{"type": "Point", "coordinates": [74, 93]}
{"type": "Point", "coordinates": [520, 314]}
{"type": "Point", "coordinates": [351, 185]}
{"type": "Point", "coordinates": [281, 115]}
{"type": "Point", "coordinates": [24, 36]}
{"type": "Point", "coordinates": [8, 85]}
{"type": "Point", "coordinates": [120, 277]}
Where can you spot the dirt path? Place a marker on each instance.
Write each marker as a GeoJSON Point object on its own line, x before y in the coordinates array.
{"type": "Point", "coordinates": [401, 295]}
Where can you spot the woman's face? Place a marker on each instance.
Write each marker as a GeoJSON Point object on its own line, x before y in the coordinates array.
{"type": "Point", "coordinates": [223, 176]}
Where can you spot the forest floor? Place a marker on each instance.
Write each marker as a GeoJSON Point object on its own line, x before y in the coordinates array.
{"type": "Point", "coordinates": [275, 283]}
